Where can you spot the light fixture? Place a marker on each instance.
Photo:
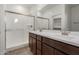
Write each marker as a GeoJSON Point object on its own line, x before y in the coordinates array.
{"type": "Point", "coordinates": [16, 20]}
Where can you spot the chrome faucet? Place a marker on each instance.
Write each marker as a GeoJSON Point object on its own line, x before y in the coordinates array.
{"type": "Point", "coordinates": [65, 32]}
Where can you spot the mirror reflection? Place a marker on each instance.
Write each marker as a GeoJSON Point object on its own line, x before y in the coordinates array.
{"type": "Point", "coordinates": [64, 17]}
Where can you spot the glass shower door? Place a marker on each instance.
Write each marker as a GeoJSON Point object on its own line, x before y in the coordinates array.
{"type": "Point", "coordinates": [17, 27]}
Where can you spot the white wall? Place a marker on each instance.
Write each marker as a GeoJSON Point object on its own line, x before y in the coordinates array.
{"type": "Point", "coordinates": [2, 30]}
{"type": "Point", "coordinates": [20, 8]}
{"type": "Point", "coordinates": [33, 11]}
{"type": "Point", "coordinates": [54, 10]}
{"type": "Point", "coordinates": [36, 9]}
{"type": "Point", "coordinates": [75, 18]}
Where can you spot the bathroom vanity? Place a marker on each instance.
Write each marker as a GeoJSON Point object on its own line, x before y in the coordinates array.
{"type": "Point", "coordinates": [51, 43]}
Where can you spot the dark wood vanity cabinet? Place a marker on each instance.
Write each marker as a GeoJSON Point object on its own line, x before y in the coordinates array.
{"type": "Point", "coordinates": [35, 43]}
{"type": "Point", "coordinates": [48, 47]}
{"type": "Point", "coordinates": [57, 52]}
{"type": "Point", "coordinates": [40, 45]}
{"type": "Point", "coordinates": [47, 50]}
{"type": "Point", "coordinates": [38, 52]}
{"type": "Point", "coordinates": [34, 46]}
{"type": "Point", "coordinates": [32, 42]}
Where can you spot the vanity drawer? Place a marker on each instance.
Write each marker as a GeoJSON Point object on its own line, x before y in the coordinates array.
{"type": "Point", "coordinates": [48, 41]}
{"type": "Point", "coordinates": [34, 46]}
{"type": "Point", "coordinates": [47, 50]}
{"type": "Point", "coordinates": [66, 48]}
{"type": "Point", "coordinates": [32, 35]}
{"type": "Point", "coordinates": [59, 45]}
{"type": "Point", "coordinates": [38, 44]}
{"type": "Point", "coordinates": [38, 37]}
{"type": "Point", "coordinates": [55, 44]}
{"type": "Point", "coordinates": [72, 50]}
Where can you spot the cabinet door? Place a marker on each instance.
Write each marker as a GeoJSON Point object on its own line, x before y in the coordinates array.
{"type": "Point", "coordinates": [34, 46]}
{"type": "Point", "coordinates": [39, 45]}
{"type": "Point", "coordinates": [58, 52]}
{"type": "Point", "coordinates": [47, 50]}
{"type": "Point", "coordinates": [30, 43]}
{"type": "Point", "coordinates": [38, 52]}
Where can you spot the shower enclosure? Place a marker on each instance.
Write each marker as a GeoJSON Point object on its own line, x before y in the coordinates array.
{"type": "Point", "coordinates": [17, 27]}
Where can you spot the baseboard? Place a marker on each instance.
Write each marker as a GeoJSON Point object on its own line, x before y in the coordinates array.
{"type": "Point", "coordinates": [17, 47]}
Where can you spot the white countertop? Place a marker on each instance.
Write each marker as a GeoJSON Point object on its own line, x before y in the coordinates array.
{"type": "Point", "coordinates": [72, 38]}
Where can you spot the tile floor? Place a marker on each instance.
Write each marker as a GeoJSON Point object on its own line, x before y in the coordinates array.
{"type": "Point", "coordinates": [21, 51]}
